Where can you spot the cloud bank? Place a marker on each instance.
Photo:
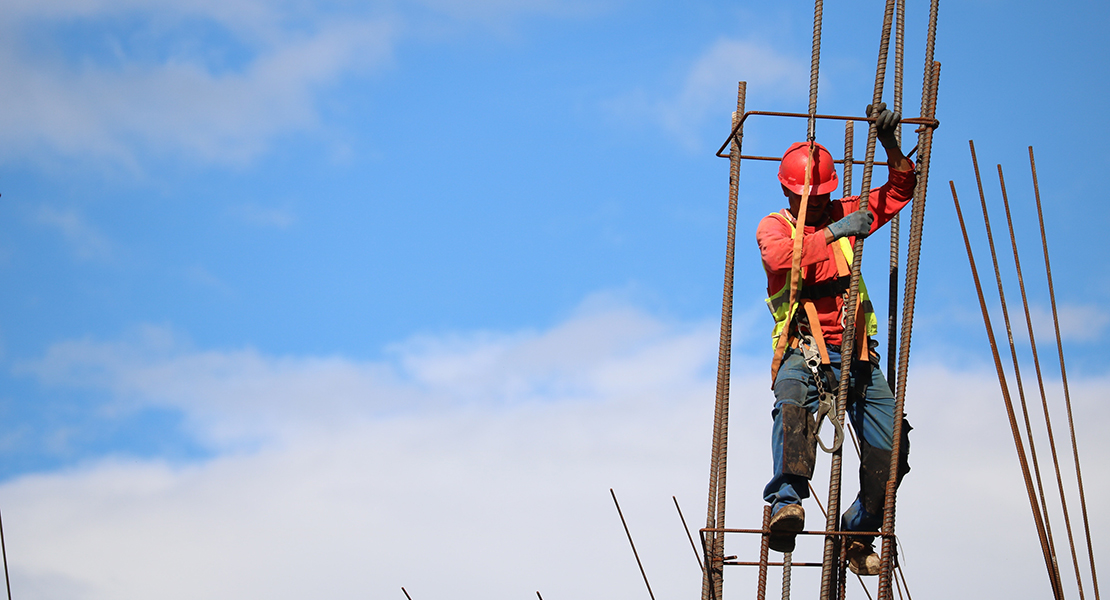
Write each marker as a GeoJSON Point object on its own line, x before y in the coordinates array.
{"type": "Point", "coordinates": [478, 466]}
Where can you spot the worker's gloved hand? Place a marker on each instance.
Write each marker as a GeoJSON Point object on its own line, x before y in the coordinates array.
{"type": "Point", "coordinates": [886, 123]}
{"type": "Point", "coordinates": [856, 224]}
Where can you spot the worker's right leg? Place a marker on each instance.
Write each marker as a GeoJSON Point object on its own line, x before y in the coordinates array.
{"type": "Point", "coordinates": [793, 447]}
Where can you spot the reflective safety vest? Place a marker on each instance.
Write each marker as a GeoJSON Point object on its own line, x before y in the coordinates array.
{"type": "Point", "coordinates": [779, 302]}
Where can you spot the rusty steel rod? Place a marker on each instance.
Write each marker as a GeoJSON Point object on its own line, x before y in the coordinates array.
{"type": "Point", "coordinates": [1005, 393]}
{"type": "Point", "coordinates": [848, 338]}
{"type": "Point", "coordinates": [895, 222]}
{"type": "Point", "coordinates": [1044, 407]}
{"type": "Point", "coordinates": [849, 149]}
{"type": "Point", "coordinates": [631, 543]}
{"type": "Point", "coordinates": [752, 563]}
{"type": "Point", "coordinates": [909, 299]}
{"type": "Point", "coordinates": [1063, 374]}
{"type": "Point", "coordinates": [922, 121]}
{"type": "Point", "coordinates": [1017, 367]}
{"type": "Point", "coordinates": [1046, 539]}
{"type": "Point", "coordinates": [764, 547]}
{"type": "Point", "coordinates": [4, 550]}
{"type": "Point", "coordinates": [693, 546]}
{"type": "Point", "coordinates": [821, 532]}
{"type": "Point", "coordinates": [713, 578]}
{"type": "Point", "coordinates": [787, 563]}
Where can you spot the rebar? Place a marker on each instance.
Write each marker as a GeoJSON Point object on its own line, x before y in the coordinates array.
{"type": "Point", "coordinates": [895, 222]}
{"type": "Point", "coordinates": [1044, 408]}
{"type": "Point", "coordinates": [631, 543]}
{"type": "Point", "coordinates": [712, 581]}
{"type": "Point", "coordinates": [786, 560]}
{"type": "Point", "coordinates": [1064, 375]}
{"type": "Point", "coordinates": [848, 339]}
{"type": "Point", "coordinates": [688, 535]}
{"type": "Point", "coordinates": [1005, 394]}
{"type": "Point", "coordinates": [4, 550]}
{"type": "Point", "coordinates": [406, 593]}
{"type": "Point", "coordinates": [814, 68]}
{"type": "Point", "coordinates": [849, 148]}
{"type": "Point", "coordinates": [764, 547]}
{"type": "Point", "coordinates": [909, 299]}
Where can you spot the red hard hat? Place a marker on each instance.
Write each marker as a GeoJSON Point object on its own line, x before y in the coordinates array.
{"type": "Point", "coordinates": [822, 175]}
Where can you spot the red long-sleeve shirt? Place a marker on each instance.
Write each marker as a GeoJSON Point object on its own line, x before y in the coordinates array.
{"type": "Point", "coordinates": [776, 247]}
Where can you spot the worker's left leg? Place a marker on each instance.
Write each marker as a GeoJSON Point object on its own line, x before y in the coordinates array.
{"type": "Point", "coordinates": [871, 410]}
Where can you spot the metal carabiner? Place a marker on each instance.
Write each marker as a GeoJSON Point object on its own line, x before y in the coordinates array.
{"type": "Point", "coordinates": [826, 409]}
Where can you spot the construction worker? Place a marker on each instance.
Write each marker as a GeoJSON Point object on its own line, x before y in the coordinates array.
{"type": "Point", "coordinates": [807, 338]}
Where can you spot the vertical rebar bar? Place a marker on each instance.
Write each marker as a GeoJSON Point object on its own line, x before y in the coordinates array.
{"type": "Point", "coordinates": [849, 148]}
{"type": "Point", "coordinates": [1005, 393]}
{"type": "Point", "coordinates": [712, 582]}
{"type": "Point", "coordinates": [787, 558]}
{"type": "Point", "coordinates": [909, 298]}
{"type": "Point", "coordinates": [1064, 375]}
{"type": "Point", "coordinates": [895, 232]}
{"type": "Point", "coordinates": [847, 343]}
{"type": "Point", "coordinates": [814, 69]}
{"type": "Point", "coordinates": [764, 547]}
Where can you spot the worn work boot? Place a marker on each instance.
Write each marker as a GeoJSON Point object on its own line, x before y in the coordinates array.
{"type": "Point", "coordinates": [862, 558]}
{"type": "Point", "coordinates": [785, 524]}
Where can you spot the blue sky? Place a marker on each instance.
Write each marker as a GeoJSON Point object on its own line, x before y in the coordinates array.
{"type": "Point", "coordinates": [391, 264]}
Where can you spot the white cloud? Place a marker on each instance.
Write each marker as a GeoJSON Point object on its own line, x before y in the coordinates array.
{"type": "Point", "coordinates": [1077, 323]}
{"type": "Point", "coordinates": [709, 88]}
{"type": "Point", "coordinates": [478, 466]}
{"type": "Point", "coordinates": [121, 107]}
{"type": "Point", "coordinates": [87, 242]}
{"type": "Point", "coordinates": [209, 80]}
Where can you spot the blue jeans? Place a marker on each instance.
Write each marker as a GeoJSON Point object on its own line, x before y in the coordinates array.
{"type": "Point", "coordinates": [870, 409]}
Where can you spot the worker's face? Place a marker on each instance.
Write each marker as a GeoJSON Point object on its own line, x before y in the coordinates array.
{"type": "Point", "coordinates": [815, 212]}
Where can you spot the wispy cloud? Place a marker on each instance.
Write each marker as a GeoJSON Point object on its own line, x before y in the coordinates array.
{"type": "Point", "coordinates": [86, 241]}
{"type": "Point", "coordinates": [148, 89]}
{"type": "Point", "coordinates": [709, 87]}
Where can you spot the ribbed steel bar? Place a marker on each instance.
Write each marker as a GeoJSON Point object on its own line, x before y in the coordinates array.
{"type": "Point", "coordinates": [1044, 408]}
{"type": "Point", "coordinates": [848, 339]}
{"type": "Point", "coordinates": [1064, 375]}
{"type": "Point", "coordinates": [4, 550]}
{"type": "Point", "coordinates": [688, 535]}
{"type": "Point", "coordinates": [895, 235]}
{"type": "Point", "coordinates": [767, 113]}
{"type": "Point", "coordinates": [849, 148]}
{"type": "Point", "coordinates": [1005, 393]}
{"type": "Point", "coordinates": [712, 581]}
{"type": "Point", "coordinates": [631, 543]}
{"type": "Point", "coordinates": [764, 547]}
{"type": "Point", "coordinates": [814, 69]}
{"type": "Point", "coordinates": [909, 299]}
{"type": "Point", "coordinates": [1017, 370]}
{"type": "Point", "coordinates": [1046, 539]}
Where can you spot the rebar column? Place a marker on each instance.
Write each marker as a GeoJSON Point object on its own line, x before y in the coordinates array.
{"type": "Point", "coordinates": [847, 345]}
{"type": "Point", "coordinates": [895, 235]}
{"type": "Point", "coordinates": [713, 578]}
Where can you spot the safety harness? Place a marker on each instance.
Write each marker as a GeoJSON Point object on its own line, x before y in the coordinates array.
{"type": "Point", "coordinates": [803, 330]}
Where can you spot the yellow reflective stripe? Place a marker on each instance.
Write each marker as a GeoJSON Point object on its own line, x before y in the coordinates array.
{"type": "Point", "coordinates": [778, 302]}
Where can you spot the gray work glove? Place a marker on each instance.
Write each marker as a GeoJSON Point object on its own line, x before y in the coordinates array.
{"type": "Point", "coordinates": [885, 124]}
{"type": "Point", "coordinates": [856, 224]}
